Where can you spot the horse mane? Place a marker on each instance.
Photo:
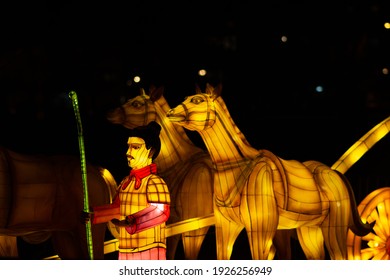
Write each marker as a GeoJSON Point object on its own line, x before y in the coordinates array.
{"type": "Point", "coordinates": [216, 94]}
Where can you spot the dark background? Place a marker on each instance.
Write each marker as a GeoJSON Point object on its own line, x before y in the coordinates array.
{"type": "Point", "coordinates": [48, 49]}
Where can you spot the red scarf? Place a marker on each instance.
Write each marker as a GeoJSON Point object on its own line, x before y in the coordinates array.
{"type": "Point", "coordinates": [139, 174]}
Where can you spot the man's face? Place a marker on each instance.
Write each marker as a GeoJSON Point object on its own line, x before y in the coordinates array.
{"type": "Point", "coordinates": [137, 154]}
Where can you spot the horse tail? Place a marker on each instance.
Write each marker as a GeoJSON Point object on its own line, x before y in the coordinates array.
{"type": "Point", "coordinates": [358, 227]}
{"type": "Point", "coordinates": [360, 147]}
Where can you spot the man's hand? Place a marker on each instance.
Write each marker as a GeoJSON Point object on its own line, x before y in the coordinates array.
{"type": "Point", "coordinates": [128, 222]}
{"type": "Point", "coordinates": [86, 217]}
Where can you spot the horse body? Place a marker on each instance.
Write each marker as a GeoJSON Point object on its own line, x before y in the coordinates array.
{"type": "Point", "coordinates": [258, 191]}
{"type": "Point", "coordinates": [186, 168]}
{"type": "Point", "coordinates": [42, 197]}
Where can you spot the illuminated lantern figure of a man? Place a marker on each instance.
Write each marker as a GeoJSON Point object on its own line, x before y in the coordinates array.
{"type": "Point", "coordinates": [141, 206]}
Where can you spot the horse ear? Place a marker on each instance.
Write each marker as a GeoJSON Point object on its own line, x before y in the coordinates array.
{"type": "Point", "coordinates": [214, 92]}
{"type": "Point", "coordinates": [218, 90]}
{"type": "Point", "coordinates": [156, 93]}
{"type": "Point", "coordinates": [209, 89]}
{"type": "Point", "coordinates": [142, 91]}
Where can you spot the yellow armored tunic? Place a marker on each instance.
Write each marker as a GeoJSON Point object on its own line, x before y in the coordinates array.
{"type": "Point", "coordinates": [133, 199]}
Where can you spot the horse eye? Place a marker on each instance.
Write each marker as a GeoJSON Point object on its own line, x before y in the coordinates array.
{"type": "Point", "coordinates": [197, 100]}
{"type": "Point", "coordinates": [136, 104]}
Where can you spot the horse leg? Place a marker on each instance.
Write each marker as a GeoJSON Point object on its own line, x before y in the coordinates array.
{"type": "Point", "coordinates": [312, 242]}
{"type": "Point", "coordinates": [192, 242]}
{"type": "Point", "coordinates": [259, 212]}
{"type": "Point", "coordinates": [335, 226]}
{"type": "Point", "coordinates": [67, 246]}
{"type": "Point", "coordinates": [8, 247]}
{"type": "Point", "coordinates": [226, 233]}
{"type": "Point", "coordinates": [73, 245]}
{"type": "Point", "coordinates": [195, 199]}
{"type": "Point", "coordinates": [335, 231]}
{"type": "Point", "coordinates": [282, 241]}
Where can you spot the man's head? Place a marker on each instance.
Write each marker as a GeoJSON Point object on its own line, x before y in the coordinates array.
{"type": "Point", "coordinates": [144, 145]}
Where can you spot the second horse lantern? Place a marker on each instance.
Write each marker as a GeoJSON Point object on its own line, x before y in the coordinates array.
{"type": "Point", "coordinates": [261, 192]}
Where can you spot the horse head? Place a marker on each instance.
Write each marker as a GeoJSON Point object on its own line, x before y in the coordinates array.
{"type": "Point", "coordinates": [137, 111]}
{"type": "Point", "coordinates": [197, 112]}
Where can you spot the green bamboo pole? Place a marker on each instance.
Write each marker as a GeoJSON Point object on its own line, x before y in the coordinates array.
{"type": "Point", "coordinates": [75, 102]}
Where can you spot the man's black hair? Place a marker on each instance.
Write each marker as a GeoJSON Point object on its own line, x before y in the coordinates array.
{"type": "Point", "coordinates": [151, 135]}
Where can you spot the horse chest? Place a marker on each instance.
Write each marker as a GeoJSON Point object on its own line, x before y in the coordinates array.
{"type": "Point", "coordinates": [228, 186]}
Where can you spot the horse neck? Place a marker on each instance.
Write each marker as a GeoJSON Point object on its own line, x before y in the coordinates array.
{"type": "Point", "coordinates": [176, 147]}
{"type": "Point", "coordinates": [224, 141]}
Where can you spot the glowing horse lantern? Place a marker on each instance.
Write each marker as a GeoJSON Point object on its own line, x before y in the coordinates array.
{"type": "Point", "coordinates": [258, 191]}
{"type": "Point", "coordinates": [41, 197]}
{"type": "Point", "coordinates": [186, 168]}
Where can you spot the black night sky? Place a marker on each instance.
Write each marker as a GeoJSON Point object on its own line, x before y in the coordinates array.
{"type": "Point", "coordinates": [270, 56]}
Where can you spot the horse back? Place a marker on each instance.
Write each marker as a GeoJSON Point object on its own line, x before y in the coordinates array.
{"type": "Point", "coordinates": [295, 186]}
{"type": "Point", "coordinates": [35, 181]}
